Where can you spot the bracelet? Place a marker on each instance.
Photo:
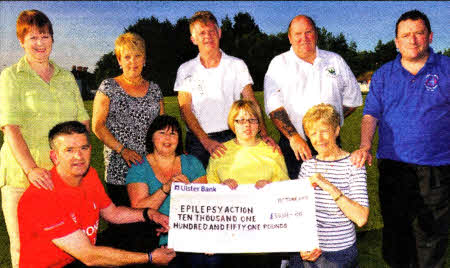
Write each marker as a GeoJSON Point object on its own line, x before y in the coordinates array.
{"type": "Point", "coordinates": [150, 259]}
{"type": "Point", "coordinates": [338, 197]}
{"type": "Point", "coordinates": [121, 149]}
{"type": "Point", "coordinates": [167, 193]}
{"type": "Point", "coordinates": [29, 171]}
{"type": "Point", "coordinates": [145, 214]}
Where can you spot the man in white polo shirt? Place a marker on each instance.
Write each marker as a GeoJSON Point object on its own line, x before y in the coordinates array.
{"type": "Point", "coordinates": [298, 79]}
{"type": "Point", "coordinates": [207, 87]}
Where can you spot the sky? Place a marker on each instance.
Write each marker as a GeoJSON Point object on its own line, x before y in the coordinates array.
{"type": "Point", "coordinates": [86, 30]}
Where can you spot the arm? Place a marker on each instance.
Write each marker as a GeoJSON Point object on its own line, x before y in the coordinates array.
{"type": "Point", "coordinates": [122, 214]}
{"type": "Point", "coordinates": [281, 120]}
{"type": "Point", "coordinates": [351, 209]}
{"type": "Point", "coordinates": [248, 94]}
{"type": "Point", "coordinates": [348, 110]}
{"type": "Point", "coordinates": [363, 154]}
{"type": "Point", "coordinates": [161, 107]}
{"type": "Point", "coordinates": [201, 179]}
{"type": "Point", "coordinates": [139, 197]}
{"type": "Point", "coordinates": [99, 114]}
{"type": "Point", "coordinates": [37, 176]}
{"type": "Point", "coordinates": [78, 245]}
{"type": "Point", "coordinates": [213, 147]}
{"type": "Point", "coordinates": [87, 124]}
{"type": "Point", "coordinates": [311, 255]}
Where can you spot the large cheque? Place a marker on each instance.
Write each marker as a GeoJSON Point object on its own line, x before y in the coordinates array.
{"type": "Point", "coordinates": [213, 218]}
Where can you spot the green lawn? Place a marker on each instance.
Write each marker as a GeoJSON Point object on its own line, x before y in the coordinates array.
{"type": "Point", "coordinates": [369, 243]}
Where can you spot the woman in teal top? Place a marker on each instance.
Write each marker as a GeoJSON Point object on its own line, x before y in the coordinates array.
{"type": "Point", "coordinates": [149, 183]}
{"type": "Point", "coordinates": [35, 95]}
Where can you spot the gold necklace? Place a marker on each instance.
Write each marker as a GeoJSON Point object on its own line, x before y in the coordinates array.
{"type": "Point", "coordinates": [132, 82]}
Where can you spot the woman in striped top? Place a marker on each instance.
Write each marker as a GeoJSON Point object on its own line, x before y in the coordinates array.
{"type": "Point", "coordinates": [340, 193]}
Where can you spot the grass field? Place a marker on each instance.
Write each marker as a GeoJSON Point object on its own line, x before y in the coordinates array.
{"type": "Point", "coordinates": [369, 237]}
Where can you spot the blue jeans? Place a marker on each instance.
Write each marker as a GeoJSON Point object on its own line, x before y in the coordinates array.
{"type": "Point", "coordinates": [200, 260]}
{"type": "Point", "coordinates": [346, 258]}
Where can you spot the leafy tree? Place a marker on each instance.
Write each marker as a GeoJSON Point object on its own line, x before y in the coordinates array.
{"type": "Point", "coordinates": [168, 46]}
{"type": "Point", "coordinates": [227, 39]}
{"type": "Point", "coordinates": [446, 52]}
{"type": "Point", "coordinates": [106, 67]}
{"type": "Point", "coordinates": [384, 53]}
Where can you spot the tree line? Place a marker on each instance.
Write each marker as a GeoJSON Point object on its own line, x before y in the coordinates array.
{"type": "Point", "coordinates": [168, 46]}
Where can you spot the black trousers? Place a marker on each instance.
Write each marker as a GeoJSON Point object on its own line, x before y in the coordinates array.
{"type": "Point", "coordinates": [195, 148]}
{"type": "Point", "coordinates": [414, 206]}
{"type": "Point", "coordinates": [293, 165]}
{"type": "Point", "coordinates": [137, 237]}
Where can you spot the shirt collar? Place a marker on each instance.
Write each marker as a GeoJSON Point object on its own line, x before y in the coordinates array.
{"type": "Point", "coordinates": [223, 56]}
{"type": "Point", "coordinates": [316, 60]}
{"type": "Point", "coordinates": [24, 66]}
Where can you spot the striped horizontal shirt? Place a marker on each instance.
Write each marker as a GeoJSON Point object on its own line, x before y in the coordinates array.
{"type": "Point", "coordinates": [336, 232]}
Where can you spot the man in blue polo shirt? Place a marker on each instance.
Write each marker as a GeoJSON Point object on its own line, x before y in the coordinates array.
{"type": "Point", "coordinates": [409, 101]}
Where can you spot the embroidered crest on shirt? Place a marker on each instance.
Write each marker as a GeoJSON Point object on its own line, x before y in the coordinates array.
{"type": "Point", "coordinates": [195, 85]}
{"type": "Point", "coordinates": [74, 218]}
{"type": "Point", "coordinates": [331, 71]}
{"type": "Point", "coordinates": [431, 82]}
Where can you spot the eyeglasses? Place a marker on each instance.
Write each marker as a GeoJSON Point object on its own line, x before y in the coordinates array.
{"type": "Point", "coordinates": [243, 121]}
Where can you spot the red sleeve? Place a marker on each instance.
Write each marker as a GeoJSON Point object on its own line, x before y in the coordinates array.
{"type": "Point", "coordinates": [102, 199]}
{"type": "Point", "coordinates": [56, 222]}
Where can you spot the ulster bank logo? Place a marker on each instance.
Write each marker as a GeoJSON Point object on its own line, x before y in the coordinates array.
{"type": "Point", "coordinates": [195, 188]}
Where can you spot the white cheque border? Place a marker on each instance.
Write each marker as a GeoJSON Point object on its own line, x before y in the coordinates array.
{"type": "Point", "coordinates": [212, 218]}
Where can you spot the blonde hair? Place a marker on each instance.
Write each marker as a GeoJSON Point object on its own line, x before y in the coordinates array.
{"type": "Point", "coordinates": [247, 106]}
{"type": "Point", "coordinates": [129, 41]}
{"type": "Point", "coordinates": [324, 113]}
{"type": "Point", "coordinates": [203, 17]}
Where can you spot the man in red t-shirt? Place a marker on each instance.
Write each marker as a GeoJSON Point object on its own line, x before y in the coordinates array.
{"type": "Point", "coordinates": [58, 226]}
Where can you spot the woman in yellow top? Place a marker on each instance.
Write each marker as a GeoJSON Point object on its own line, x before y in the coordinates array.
{"type": "Point", "coordinates": [247, 160]}
{"type": "Point", "coordinates": [35, 95]}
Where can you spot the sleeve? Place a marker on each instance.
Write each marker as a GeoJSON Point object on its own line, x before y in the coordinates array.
{"type": "Point", "coordinates": [244, 76]}
{"type": "Point", "coordinates": [358, 186]}
{"type": "Point", "coordinates": [183, 81]}
{"type": "Point", "coordinates": [373, 105]}
{"type": "Point", "coordinates": [196, 169]}
{"type": "Point", "coordinates": [352, 92]}
{"type": "Point", "coordinates": [10, 99]}
{"type": "Point", "coordinates": [272, 88]}
{"type": "Point", "coordinates": [102, 198]}
{"type": "Point", "coordinates": [304, 170]}
{"type": "Point", "coordinates": [279, 168]}
{"type": "Point", "coordinates": [137, 173]}
{"type": "Point", "coordinates": [211, 172]}
{"type": "Point", "coordinates": [56, 222]}
{"type": "Point", "coordinates": [105, 88]}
